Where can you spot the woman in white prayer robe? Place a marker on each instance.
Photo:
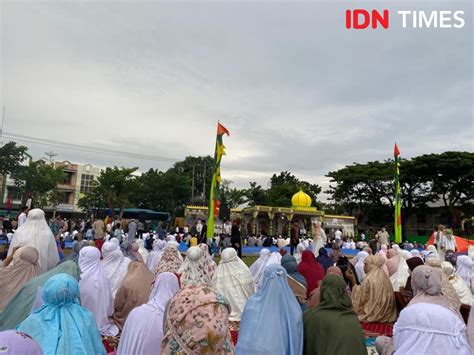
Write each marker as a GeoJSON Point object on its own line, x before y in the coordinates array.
{"type": "Point", "coordinates": [155, 255]}
{"type": "Point", "coordinates": [95, 292]}
{"type": "Point", "coordinates": [258, 267]}
{"type": "Point", "coordinates": [36, 233]}
{"type": "Point", "coordinates": [143, 330]}
{"type": "Point", "coordinates": [427, 325]}
{"type": "Point", "coordinates": [233, 279]}
{"type": "Point", "coordinates": [142, 250]}
{"type": "Point", "coordinates": [115, 265]}
{"type": "Point", "coordinates": [463, 292]}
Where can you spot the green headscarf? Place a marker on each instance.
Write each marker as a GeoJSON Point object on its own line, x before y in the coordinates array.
{"type": "Point", "coordinates": [19, 307]}
{"type": "Point", "coordinates": [332, 327]}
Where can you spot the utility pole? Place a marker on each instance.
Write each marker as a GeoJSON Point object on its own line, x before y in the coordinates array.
{"type": "Point", "coordinates": [192, 186]}
{"type": "Point", "coordinates": [204, 183]}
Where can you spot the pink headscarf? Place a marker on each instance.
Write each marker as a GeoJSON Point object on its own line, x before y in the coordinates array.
{"type": "Point", "coordinates": [13, 342]}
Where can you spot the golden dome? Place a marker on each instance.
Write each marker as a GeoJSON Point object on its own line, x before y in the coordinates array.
{"type": "Point", "coordinates": [301, 199]}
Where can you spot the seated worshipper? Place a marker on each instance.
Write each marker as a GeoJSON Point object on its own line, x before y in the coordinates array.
{"type": "Point", "coordinates": [133, 292]}
{"type": "Point", "coordinates": [465, 269]}
{"type": "Point", "coordinates": [373, 300]}
{"type": "Point", "coordinates": [170, 261]}
{"type": "Point", "coordinates": [135, 253]}
{"type": "Point", "coordinates": [344, 264]}
{"type": "Point", "coordinates": [458, 283]}
{"type": "Point", "coordinates": [95, 291]}
{"type": "Point", "coordinates": [447, 288]}
{"type": "Point", "coordinates": [21, 305]}
{"type": "Point", "coordinates": [416, 253]}
{"type": "Point", "coordinates": [143, 330]}
{"type": "Point", "coordinates": [359, 266]}
{"type": "Point", "coordinates": [258, 267]}
{"type": "Point", "coordinates": [300, 248]}
{"type": "Point", "coordinates": [61, 325]}
{"type": "Point", "coordinates": [171, 241]}
{"type": "Point", "coordinates": [115, 265]}
{"type": "Point", "coordinates": [13, 342]}
{"type": "Point", "coordinates": [192, 270]}
{"type": "Point", "coordinates": [432, 251]}
{"type": "Point", "coordinates": [36, 233]}
{"type": "Point", "coordinates": [412, 263]}
{"type": "Point", "coordinates": [336, 253]}
{"type": "Point", "coordinates": [265, 329]}
{"type": "Point", "coordinates": [332, 327]}
{"type": "Point", "coordinates": [75, 249]}
{"type": "Point", "coordinates": [142, 250]}
{"type": "Point", "coordinates": [233, 280]}
{"type": "Point", "coordinates": [155, 255]}
{"type": "Point", "coordinates": [324, 259]}
{"type": "Point", "coordinates": [22, 269]}
{"type": "Point", "coordinates": [397, 268]}
{"type": "Point", "coordinates": [312, 271]}
{"type": "Point", "coordinates": [208, 263]}
{"type": "Point", "coordinates": [427, 325]}
{"type": "Point", "coordinates": [197, 322]}
{"type": "Point", "coordinates": [296, 281]}
{"type": "Point", "coordinates": [315, 295]}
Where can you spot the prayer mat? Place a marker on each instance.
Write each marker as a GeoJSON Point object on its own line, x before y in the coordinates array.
{"type": "Point", "coordinates": [372, 330]}
{"type": "Point", "coordinates": [234, 330]}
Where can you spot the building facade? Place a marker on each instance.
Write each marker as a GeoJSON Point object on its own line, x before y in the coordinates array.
{"type": "Point", "coordinates": [78, 181]}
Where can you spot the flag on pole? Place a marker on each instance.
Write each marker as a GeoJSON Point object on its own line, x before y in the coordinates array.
{"type": "Point", "coordinates": [398, 207]}
{"type": "Point", "coordinates": [214, 195]}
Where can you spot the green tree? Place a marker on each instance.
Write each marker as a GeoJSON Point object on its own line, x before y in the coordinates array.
{"type": "Point", "coordinates": [452, 178]}
{"type": "Point", "coordinates": [115, 186]}
{"type": "Point", "coordinates": [231, 196]}
{"type": "Point", "coordinates": [162, 191]}
{"type": "Point", "coordinates": [203, 169]}
{"type": "Point", "coordinates": [255, 194]}
{"type": "Point", "coordinates": [38, 182]}
{"type": "Point", "coordinates": [285, 185]}
{"type": "Point", "coordinates": [11, 156]}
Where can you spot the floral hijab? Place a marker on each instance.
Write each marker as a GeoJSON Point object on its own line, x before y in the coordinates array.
{"type": "Point", "coordinates": [197, 322]}
{"type": "Point", "coordinates": [209, 264]}
{"type": "Point", "coordinates": [169, 262]}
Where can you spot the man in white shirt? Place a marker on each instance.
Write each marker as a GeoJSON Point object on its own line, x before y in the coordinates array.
{"type": "Point", "coordinates": [22, 216]}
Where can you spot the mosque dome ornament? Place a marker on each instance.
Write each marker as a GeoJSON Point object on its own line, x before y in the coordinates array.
{"type": "Point", "coordinates": [301, 199]}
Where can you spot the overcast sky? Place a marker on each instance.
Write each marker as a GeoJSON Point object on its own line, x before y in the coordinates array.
{"type": "Point", "coordinates": [297, 90]}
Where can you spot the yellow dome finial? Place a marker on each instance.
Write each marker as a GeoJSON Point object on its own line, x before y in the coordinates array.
{"type": "Point", "coordinates": [301, 199]}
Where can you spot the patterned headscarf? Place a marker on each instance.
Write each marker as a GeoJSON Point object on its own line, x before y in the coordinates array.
{"type": "Point", "coordinates": [209, 264]}
{"type": "Point", "coordinates": [169, 262]}
{"type": "Point", "coordinates": [192, 270]}
{"type": "Point", "coordinates": [197, 322]}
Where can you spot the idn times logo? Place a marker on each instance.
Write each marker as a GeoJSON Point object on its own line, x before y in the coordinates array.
{"type": "Point", "coordinates": [361, 19]}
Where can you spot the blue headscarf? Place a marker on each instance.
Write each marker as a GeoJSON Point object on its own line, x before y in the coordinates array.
{"type": "Point", "coordinates": [274, 315]}
{"type": "Point", "coordinates": [323, 258]}
{"type": "Point", "coordinates": [291, 266]}
{"type": "Point", "coordinates": [61, 325]}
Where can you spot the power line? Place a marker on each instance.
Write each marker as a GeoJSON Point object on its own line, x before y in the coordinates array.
{"type": "Point", "coordinates": [105, 151]}
{"type": "Point", "coordinates": [73, 146]}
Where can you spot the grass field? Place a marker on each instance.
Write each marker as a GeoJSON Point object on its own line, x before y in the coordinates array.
{"type": "Point", "coordinates": [248, 260]}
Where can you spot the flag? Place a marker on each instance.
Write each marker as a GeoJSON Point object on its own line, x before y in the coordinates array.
{"type": "Point", "coordinates": [214, 195]}
{"type": "Point", "coordinates": [398, 207]}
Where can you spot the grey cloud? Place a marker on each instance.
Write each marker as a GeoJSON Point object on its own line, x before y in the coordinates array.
{"type": "Point", "coordinates": [297, 90]}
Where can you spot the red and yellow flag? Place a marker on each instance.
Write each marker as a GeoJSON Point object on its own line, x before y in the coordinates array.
{"type": "Point", "coordinates": [214, 195]}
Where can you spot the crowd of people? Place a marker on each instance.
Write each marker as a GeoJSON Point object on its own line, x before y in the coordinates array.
{"type": "Point", "coordinates": [110, 293]}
